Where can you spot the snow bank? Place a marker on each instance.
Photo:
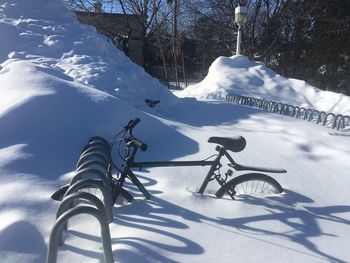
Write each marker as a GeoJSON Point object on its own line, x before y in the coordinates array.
{"type": "Point", "coordinates": [239, 75]}
{"type": "Point", "coordinates": [46, 32]}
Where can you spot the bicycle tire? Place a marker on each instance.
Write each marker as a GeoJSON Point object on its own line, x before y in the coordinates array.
{"type": "Point", "coordinates": [244, 185]}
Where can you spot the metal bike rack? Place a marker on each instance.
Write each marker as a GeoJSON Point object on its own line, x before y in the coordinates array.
{"type": "Point", "coordinates": [342, 122]}
{"type": "Point", "coordinates": [311, 115]}
{"type": "Point", "coordinates": [98, 155]}
{"type": "Point", "coordinates": [98, 144]}
{"type": "Point", "coordinates": [307, 113]}
{"type": "Point", "coordinates": [70, 200]}
{"type": "Point", "coordinates": [336, 122]}
{"type": "Point", "coordinates": [94, 148]}
{"type": "Point", "coordinates": [94, 161]}
{"type": "Point", "coordinates": [91, 183]}
{"type": "Point", "coordinates": [99, 138]}
{"type": "Point", "coordinates": [57, 230]}
{"type": "Point", "coordinates": [92, 172]}
{"type": "Point", "coordinates": [301, 112]}
{"type": "Point", "coordinates": [319, 117]}
{"type": "Point", "coordinates": [88, 172]}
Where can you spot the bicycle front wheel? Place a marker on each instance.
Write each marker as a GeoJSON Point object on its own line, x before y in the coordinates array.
{"type": "Point", "coordinates": [251, 184]}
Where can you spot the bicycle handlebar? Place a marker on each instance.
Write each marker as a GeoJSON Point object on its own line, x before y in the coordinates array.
{"type": "Point", "coordinates": [137, 144]}
{"type": "Point", "coordinates": [129, 137]}
{"type": "Point", "coordinates": [131, 124]}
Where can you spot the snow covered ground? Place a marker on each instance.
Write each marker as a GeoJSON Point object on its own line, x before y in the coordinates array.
{"type": "Point", "coordinates": [61, 82]}
{"type": "Point", "coordinates": [240, 76]}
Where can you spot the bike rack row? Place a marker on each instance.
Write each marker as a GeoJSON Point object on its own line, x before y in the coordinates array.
{"type": "Point", "coordinates": [335, 121]}
{"type": "Point", "coordinates": [93, 171]}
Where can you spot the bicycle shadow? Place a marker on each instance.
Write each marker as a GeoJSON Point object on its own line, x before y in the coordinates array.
{"type": "Point", "coordinates": [150, 217]}
{"type": "Point", "coordinates": [303, 222]}
{"type": "Point", "coordinates": [163, 222]}
{"type": "Point", "coordinates": [153, 216]}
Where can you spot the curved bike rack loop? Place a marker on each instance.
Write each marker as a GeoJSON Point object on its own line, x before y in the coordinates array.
{"type": "Point", "coordinates": [342, 122]}
{"type": "Point", "coordinates": [336, 120]}
{"type": "Point", "coordinates": [98, 155]}
{"type": "Point", "coordinates": [301, 112]}
{"type": "Point", "coordinates": [95, 148]}
{"type": "Point", "coordinates": [96, 163]}
{"type": "Point", "coordinates": [57, 230]}
{"type": "Point", "coordinates": [311, 116]}
{"type": "Point", "coordinates": [91, 183]}
{"type": "Point", "coordinates": [326, 118]}
{"type": "Point", "coordinates": [99, 138]}
{"type": "Point", "coordinates": [307, 113]}
{"type": "Point", "coordinates": [321, 117]}
{"type": "Point", "coordinates": [70, 200]}
{"type": "Point", "coordinates": [95, 173]}
{"type": "Point", "coordinates": [291, 110]}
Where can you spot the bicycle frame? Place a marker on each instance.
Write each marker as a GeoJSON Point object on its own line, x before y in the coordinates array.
{"type": "Point", "coordinates": [214, 165]}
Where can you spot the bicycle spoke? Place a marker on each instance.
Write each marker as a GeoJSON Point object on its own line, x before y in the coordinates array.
{"type": "Point", "coordinates": [257, 185]}
{"type": "Point", "coordinates": [253, 187]}
{"type": "Point", "coordinates": [238, 191]}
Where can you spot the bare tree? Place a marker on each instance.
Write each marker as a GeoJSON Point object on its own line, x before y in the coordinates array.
{"type": "Point", "coordinates": [146, 11]}
{"type": "Point", "coordinates": [175, 11]}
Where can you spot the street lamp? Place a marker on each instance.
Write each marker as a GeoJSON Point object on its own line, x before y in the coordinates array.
{"type": "Point", "coordinates": [241, 15]}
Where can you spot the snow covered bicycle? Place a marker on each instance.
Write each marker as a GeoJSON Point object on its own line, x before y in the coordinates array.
{"type": "Point", "coordinates": [254, 183]}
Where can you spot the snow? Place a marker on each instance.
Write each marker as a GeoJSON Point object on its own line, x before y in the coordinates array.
{"type": "Point", "coordinates": [61, 83]}
{"type": "Point", "coordinates": [30, 32]}
{"type": "Point", "coordinates": [239, 75]}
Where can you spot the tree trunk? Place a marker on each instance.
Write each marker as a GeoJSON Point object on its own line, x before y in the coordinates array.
{"type": "Point", "coordinates": [174, 40]}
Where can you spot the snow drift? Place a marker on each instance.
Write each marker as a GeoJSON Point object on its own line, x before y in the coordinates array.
{"type": "Point", "coordinates": [239, 75]}
{"type": "Point", "coordinates": [31, 31]}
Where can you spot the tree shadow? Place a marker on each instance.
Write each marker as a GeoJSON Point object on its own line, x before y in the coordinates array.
{"type": "Point", "coordinates": [43, 137]}
{"type": "Point", "coordinates": [216, 112]}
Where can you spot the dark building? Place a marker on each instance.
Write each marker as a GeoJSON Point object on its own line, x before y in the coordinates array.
{"type": "Point", "coordinates": [123, 30]}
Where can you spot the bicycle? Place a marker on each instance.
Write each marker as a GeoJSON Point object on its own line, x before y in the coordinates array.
{"type": "Point", "coordinates": [254, 183]}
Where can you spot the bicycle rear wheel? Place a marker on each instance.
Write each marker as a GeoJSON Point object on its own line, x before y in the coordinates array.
{"type": "Point", "coordinates": [251, 184]}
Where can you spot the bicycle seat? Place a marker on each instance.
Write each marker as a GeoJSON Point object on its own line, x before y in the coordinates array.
{"type": "Point", "coordinates": [235, 144]}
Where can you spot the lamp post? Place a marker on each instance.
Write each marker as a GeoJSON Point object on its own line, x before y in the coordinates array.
{"type": "Point", "coordinates": [241, 14]}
